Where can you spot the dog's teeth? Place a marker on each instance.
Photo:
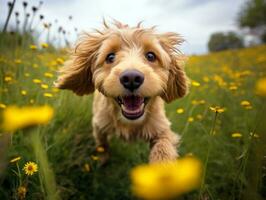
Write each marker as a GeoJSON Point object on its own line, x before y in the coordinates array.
{"type": "Point", "coordinates": [133, 111]}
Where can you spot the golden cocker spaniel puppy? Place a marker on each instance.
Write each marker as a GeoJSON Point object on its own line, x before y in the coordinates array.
{"type": "Point", "coordinates": [132, 72]}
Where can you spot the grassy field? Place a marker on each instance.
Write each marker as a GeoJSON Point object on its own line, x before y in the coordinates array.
{"type": "Point", "coordinates": [230, 144]}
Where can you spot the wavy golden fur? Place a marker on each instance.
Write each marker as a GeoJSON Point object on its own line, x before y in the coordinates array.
{"type": "Point", "coordinates": [165, 80]}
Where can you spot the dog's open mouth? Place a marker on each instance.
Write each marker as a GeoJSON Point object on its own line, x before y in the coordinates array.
{"type": "Point", "coordinates": [132, 106]}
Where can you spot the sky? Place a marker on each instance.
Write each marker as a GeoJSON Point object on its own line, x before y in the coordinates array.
{"type": "Point", "coordinates": [195, 20]}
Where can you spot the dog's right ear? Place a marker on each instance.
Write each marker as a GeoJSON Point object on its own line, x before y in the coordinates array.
{"type": "Point", "coordinates": [76, 75]}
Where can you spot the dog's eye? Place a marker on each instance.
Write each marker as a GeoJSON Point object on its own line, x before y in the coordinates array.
{"type": "Point", "coordinates": [150, 56]}
{"type": "Point", "coordinates": [110, 58]}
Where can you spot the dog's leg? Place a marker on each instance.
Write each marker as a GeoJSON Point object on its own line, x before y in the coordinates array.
{"type": "Point", "coordinates": [164, 147]}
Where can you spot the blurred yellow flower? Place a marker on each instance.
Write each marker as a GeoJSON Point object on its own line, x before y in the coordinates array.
{"type": "Point", "coordinates": [17, 61]}
{"type": "Point", "coordinates": [49, 75]}
{"type": "Point", "coordinates": [3, 106]}
{"type": "Point", "coordinates": [94, 157]}
{"type": "Point", "coordinates": [233, 87]}
{"type": "Point", "coordinates": [32, 101]}
{"type": "Point", "coordinates": [27, 74]}
{"type": "Point", "coordinates": [86, 167]}
{"type": "Point", "coordinates": [217, 109]}
{"type": "Point", "coordinates": [195, 83]}
{"type": "Point", "coordinates": [35, 65]}
{"type": "Point", "coordinates": [44, 86]}
{"type": "Point", "coordinates": [100, 149]}
{"type": "Point", "coordinates": [166, 180]}
{"type": "Point", "coordinates": [8, 78]}
{"type": "Point", "coordinates": [246, 104]}
{"type": "Point", "coordinates": [190, 119]}
{"type": "Point", "coordinates": [23, 92]}
{"type": "Point", "coordinates": [48, 94]}
{"type": "Point", "coordinates": [44, 45]}
{"type": "Point", "coordinates": [33, 47]}
{"type": "Point", "coordinates": [180, 110]}
{"type": "Point", "coordinates": [260, 88]}
{"type": "Point", "coordinates": [16, 118]}
{"type": "Point", "coordinates": [60, 61]}
{"type": "Point", "coordinates": [30, 168]}
{"type": "Point", "coordinates": [206, 79]}
{"type": "Point", "coordinates": [55, 90]}
{"type": "Point", "coordinates": [15, 159]}
{"type": "Point", "coordinates": [36, 81]}
{"type": "Point", "coordinates": [236, 135]}
{"type": "Point", "coordinates": [199, 117]}
{"type": "Point", "coordinates": [21, 192]}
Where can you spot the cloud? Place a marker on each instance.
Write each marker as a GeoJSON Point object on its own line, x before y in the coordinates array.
{"type": "Point", "coordinates": [193, 19]}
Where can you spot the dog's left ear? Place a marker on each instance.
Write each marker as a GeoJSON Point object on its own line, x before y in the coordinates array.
{"type": "Point", "coordinates": [177, 85]}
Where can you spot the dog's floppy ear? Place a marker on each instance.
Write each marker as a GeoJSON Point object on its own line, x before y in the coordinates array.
{"type": "Point", "coordinates": [76, 75]}
{"type": "Point", "coordinates": [177, 85]}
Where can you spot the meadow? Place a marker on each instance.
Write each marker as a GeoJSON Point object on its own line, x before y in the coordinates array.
{"type": "Point", "coordinates": [220, 121]}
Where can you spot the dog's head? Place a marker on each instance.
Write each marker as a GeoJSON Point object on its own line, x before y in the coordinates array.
{"type": "Point", "coordinates": [131, 65]}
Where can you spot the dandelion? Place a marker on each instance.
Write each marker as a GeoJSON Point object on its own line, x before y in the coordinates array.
{"type": "Point", "coordinates": [195, 83]}
{"type": "Point", "coordinates": [21, 192]}
{"type": "Point", "coordinates": [260, 88]}
{"type": "Point", "coordinates": [217, 109]}
{"type": "Point", "coordinates": [190, 119]}
{"type": "Point", "coordinates": [36, 81]}
{"type": "Point", "coordinates": [16, 159]}
{"type": "Point", "coordinates": [3, 106]}
{"type": "Point", "coordinates": [8, 78]}
{"type": "Point", "coordinates": [30, 168]}
{"type": "Point", "coordinates": [60, 61]}
{"type": "Point", "coordinates": [93, 157]}
{"type": "Point", "coordinates": [100, 149]}
{"type": "Point", "coordinates": [44, 86]}
{"type": "Point", "coordinates": [49, 75]}
{"type": "Point", "coordinates": [180, 110]}
{"type": "Point", "coordinates": [16, 118]}
{"type": "Point", "coordinates": [33, 47]}
{"type": "Point", "coordinates": [48, 95]}
{"type": "Point", "coordinates": [246, 104]}
{"type": "Point", "coordinates": [166, 180]}
{"type": "Point", "coordinates": [23, 92]}
{"type": "Point", "coordinates": [44, 45]}
{"type": "Point", "coordinates": [233, 87]}
{"type": "Point", "coordinates": [236, 135]}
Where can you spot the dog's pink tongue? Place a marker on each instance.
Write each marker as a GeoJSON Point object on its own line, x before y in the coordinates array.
{"type": "Point", "coordinates": [132, 102]}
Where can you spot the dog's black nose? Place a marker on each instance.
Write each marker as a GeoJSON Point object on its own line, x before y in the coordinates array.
{"type": "Point", "coordinates": [131, 79]}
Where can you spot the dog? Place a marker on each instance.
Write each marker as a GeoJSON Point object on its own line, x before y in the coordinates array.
{"type": "Point", "coordinates": [132, 72]}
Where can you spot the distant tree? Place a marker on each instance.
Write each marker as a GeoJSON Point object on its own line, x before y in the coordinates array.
{"type": "Point", "coordinates": [222, 41]}
{"type": "Point", "coordinates": [253, 16]}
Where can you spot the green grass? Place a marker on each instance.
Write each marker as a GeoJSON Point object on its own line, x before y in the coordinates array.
{"type": "Point", "coordinates": [68, 142]}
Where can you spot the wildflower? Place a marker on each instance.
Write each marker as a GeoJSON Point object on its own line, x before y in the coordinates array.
{"type": "Point", "coordinates": [180, 110]}
{"type": "Point", "coordinates": [23, 92]}
{"type": "Point", "coordinates": [36, 81]}
{"type": "Point", "coordinates": [30, 168]}
{"type": "Point", "coordinates": [8, 78]}
{"type": "Point", "coordinates": [246, 104]}
{"type": "Point", "coordinates": [199, 117]}
{"type": "Point", "coordinates": [195, 83]}
{"type": "Point", "coordinates": [100, 149]}
{"type": "Point", "coordinates": [233, 87]}
{"type": "Point", "coordinates": [86, 167]}
{"type": "Point", "coordinates": [33, 47]}
{"type": "Point", "coordinates": [166, 180]}
{"type": "Point", "coordinates": [48, 95]}
{"type": "Point", "coordinates": [49, 75]}
{"type": "Point", "coordinates": [217, 109]}
{"type": "Point", "coordinates": [44, 86]}
{"type": "Point", "coordinates": [18, 61]}
{"type": "Point", "coordinates": [60, 61]}
{"type": "Point", "coordinates": [94, 157]}
{"type": "Point", "coordinates": [44, 45]}
{"type": "Point", "coordinates": [236, 135]}
{"type": "Point", "coordinates": [3, 106]}
{"type": "Point", "coordinates": [55, 90]}
{"type": "Point", "coordinates": [15, 159]}
{"type": "Point", "coordinates": [190, 119]}
{"type": "Point", "coordinates": [21, 192]}
{"type": "Point", "coordinates": [15, 118]}
{"type": "Point", "coordinates": [27, 74]}
{"type": "Point", "coordinates": [260, 88]}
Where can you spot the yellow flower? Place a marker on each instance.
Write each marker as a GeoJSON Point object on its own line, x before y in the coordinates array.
{"type": "Point", "coordinates": [32, 101]}
{"type": "Point", "coordinates": [199, 117]}
{"type": "Point", "coordinates": [245, 103]}
{"type": "Point", "coordinates": [206, 79]}
{"type": "Point", "coordinates": [233, 87]}
{"type": "Point", "coordinates": [48, 94]}
{"type": "Point", "coordinates": [27, 74]}
{"type": "Point", "coordinates": [55, 90]}
{"type": "Point", "coordinates": [94, 157]}
{"type": "Point", "coordinates": [166, 180]}
{"type": "Point", "coordinates": [16, 118]}
{"type": "Point", "coordinates": [180, 110]}
{"type": "Point", "coordinates": [8, 78]}
{"type": "Point", "coordinates": [30, 168]}
{"type": "Point", "coordinates": [86, 167]}
{"type": "Point", "coordinates": [49, 75]}
{"type": "Point", "coordinates": [33, 47]}
{"type": "Point", "coordinates": [236, 135]}
{"type": "Point", "coordinates": [17, 61]}
{"type": "Point", "coordinates": [190, 119]}
{"type": "Point", "coordinates": [195, 83]}
{"type": "Point", "coordinates": [217, 109]}
{"type": "Point", "coordinates": [100, 149]}
{"type": "Point", "coordinates": [44, 45]}
{"type": "Point", "coordinates": [36, 81]}
{"type": "Point", "coordinates": [23, 92]}
{"type": "Point", "coordinates": [3, 106]}
{"type": "Point", "coordinates": [261, 87]}
{"type": "Point", "coordinates": [60, 61]}
{"type": "Point", "coordinates": [15, 159]}
{"type": "Point", "coordinates": [44, 86]}
{"type": "Point", "coordinates": [21, 192]}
